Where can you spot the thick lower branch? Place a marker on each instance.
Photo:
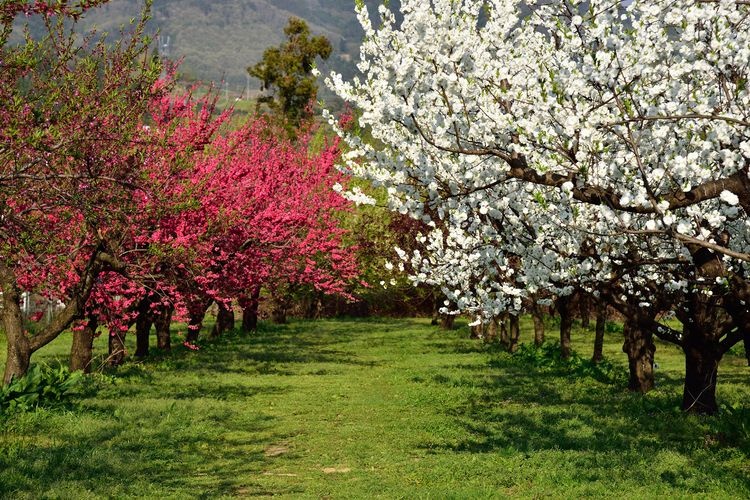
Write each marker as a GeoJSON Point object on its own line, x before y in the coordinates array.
{"type": "Point", "coordinates": [98, 261]}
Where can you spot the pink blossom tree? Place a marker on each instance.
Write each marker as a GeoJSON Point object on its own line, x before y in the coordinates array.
{"type": "Point", "coordinates": [257, 210]}
{"type": "Point", "coordinates": [221, 215]}
{"type": "Point", "coordinates": [70, 128]}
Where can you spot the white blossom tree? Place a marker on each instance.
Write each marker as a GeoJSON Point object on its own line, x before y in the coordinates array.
{"type": "Point", "coordinates": [601, 144]}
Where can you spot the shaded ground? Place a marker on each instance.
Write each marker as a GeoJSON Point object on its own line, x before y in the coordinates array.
{"type": "Point", "coordinates": [390, 408]}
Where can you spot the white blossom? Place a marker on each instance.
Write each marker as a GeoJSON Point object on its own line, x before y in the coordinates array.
{"type": "Point", "coordinates": [645, 103]}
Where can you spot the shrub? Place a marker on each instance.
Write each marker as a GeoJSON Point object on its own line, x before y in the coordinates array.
{"type": "Point", "coordinates": [43, 385]}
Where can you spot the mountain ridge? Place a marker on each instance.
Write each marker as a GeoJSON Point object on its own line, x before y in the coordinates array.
{"type": "Point", "coordinates": [216, 41]}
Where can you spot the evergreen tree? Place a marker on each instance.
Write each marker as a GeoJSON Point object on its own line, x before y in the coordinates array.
{"type": "Point", "coordinates": [286, 71]}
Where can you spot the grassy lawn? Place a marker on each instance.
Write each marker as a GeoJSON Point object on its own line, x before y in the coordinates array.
{"type": "Point", "coordinates": [378, 408]}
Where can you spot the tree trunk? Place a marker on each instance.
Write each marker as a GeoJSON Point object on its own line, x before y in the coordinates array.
{"type": "Point", "coordinates": [701, 369]}
{"type": "Point", "coordinates": [162, 322]}
{"type": "Point", "coordinates": [701, 331]}
{"type": "Point", "coordinates": [117, 350]}
{"type": "Point", "coordinates": [514, 333]}
{"type": "Point", "coordinates": [640, 348]}
{"type": "Point", "coordinates": [746, 342]}
{"type": "Point", "coordinates": [19, 351]}
{"type": "Point", "coordinates": [601, 321]}
{"type": "Point", "coordinates": [249, 307]}
{"type": "Point", "coordinates": [436, 305]}
{"type": "Point", "coordinates": [196, 313]}
{"type": "Point", "coordinates": [279, 309]}
{"type": "Point", "coordinates": [81, 352]}
{"type": "Point", "coordinates": [250, 318]}
{"type": "Point", "coordinates": [143, 328]}
{"type": "Point", "coordinates": [278, 315]}
{"type": "Point", "coordinates": [224, 320]}
{"type": "Point", "coordinates": [477, 331]}
{"type": "Point", "coordinates": [490, 330]}
{"type": "Point", "coordinates": [584, 306]}
{"type": "Point", "coordinates": [447, 321]}
{"type": "Point", "coordinates": [20, 345]}
{"type": "Point", "coordinates": [312, 305]}
{"type": "Point", "coordinates": [502, 331]}
{"type": "Point", "coordinates": [536, 315]}
{"type": "Point", "coordinates": [707, 314]}
{"type": "Point", "coordinates": [566, 325]}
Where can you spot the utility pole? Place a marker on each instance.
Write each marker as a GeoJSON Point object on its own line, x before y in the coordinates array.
{"type": "Point", "coordinates": [164, 41]}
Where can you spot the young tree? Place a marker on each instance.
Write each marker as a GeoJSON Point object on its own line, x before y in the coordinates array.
{"type": "Point", "coordinates": [70, 115]}
{"type": "Point", "coordinates": [607, 146]}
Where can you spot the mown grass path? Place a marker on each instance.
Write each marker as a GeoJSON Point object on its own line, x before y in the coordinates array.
{"type": "Point", "coordinates": [389, 408]}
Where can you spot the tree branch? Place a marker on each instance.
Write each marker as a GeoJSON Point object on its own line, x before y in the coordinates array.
{"type": "Point", "coordinates": [594, 195]}
{"type": "Point", "coordinates": [98, 260]}
{"type": "Point", "coordinates": [731, 339]}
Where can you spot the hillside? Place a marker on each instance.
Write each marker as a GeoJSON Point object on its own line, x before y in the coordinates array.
{"type": "Point", "coordinates": [219, 39]}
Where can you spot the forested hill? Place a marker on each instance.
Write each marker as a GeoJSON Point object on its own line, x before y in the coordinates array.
{"type": "Point", "coordinates": [219, 39]}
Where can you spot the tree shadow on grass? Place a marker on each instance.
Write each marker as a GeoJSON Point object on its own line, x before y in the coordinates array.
{"type": "Point", "coordinates": [516, 409]}
{"type": "Point", "coordinates": [274, 350]}
{"type": "Point", "coordinates": [219, 391]}
{"type": "Point", "coordinates": [520, 407]}
{"type": "Point", "coordinates": [155, 431]}
{"type": "Point", "coordinates": [203, 453]}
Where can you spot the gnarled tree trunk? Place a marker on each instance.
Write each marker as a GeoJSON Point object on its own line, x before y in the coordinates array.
{"type": "Point", "coordinates": [640, 348]}
{"type": "Point", "coordinates": [707, 315]}
{"type": "Point", "coordinates": [701, 369]}
{"type": "Point", "coordinates": [19, 350]}
{"type": "Point", "coordinates": [702, 329]}
{"type": "Point", "coordinates": [20, 345]}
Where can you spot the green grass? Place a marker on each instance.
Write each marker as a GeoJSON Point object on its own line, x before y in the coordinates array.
{"type": "Point", "coordinates": [377, 408]}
